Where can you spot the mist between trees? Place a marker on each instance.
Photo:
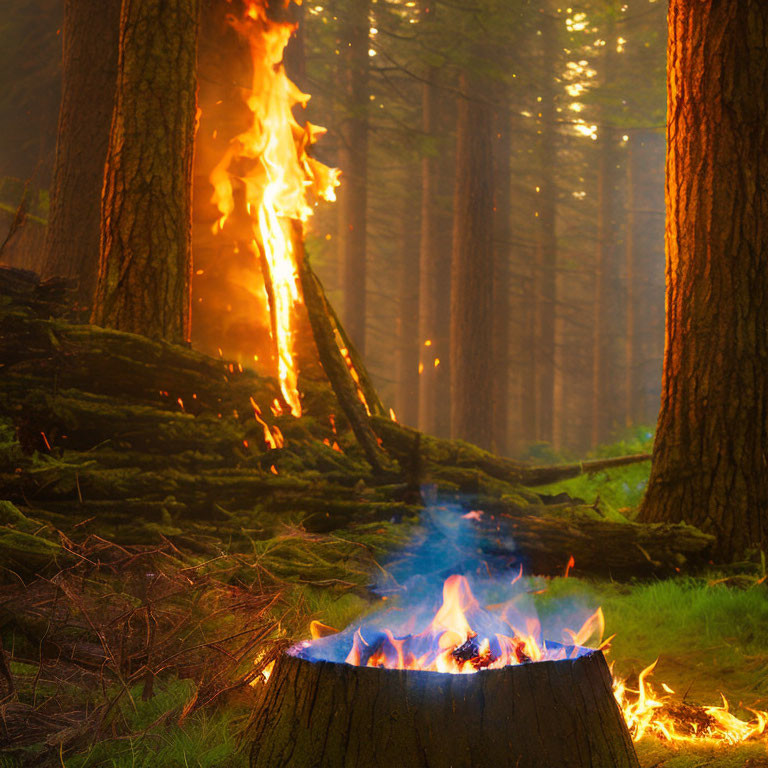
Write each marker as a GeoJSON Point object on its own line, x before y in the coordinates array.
{"type": "Point", "coordinates": [497, 249]}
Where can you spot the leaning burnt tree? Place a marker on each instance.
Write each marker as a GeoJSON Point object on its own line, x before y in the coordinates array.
{"type": "Point", "coordinates": [709, 458]}
{"type": "Point", "coordinates": [89, 63]}
{"type": "Point", "coordinates": [145, 259]}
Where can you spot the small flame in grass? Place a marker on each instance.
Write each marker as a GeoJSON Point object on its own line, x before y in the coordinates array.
{"type": "Point", "coordinates": [270, 164]}
{"type": "Point", "coordinates": [649, 713]}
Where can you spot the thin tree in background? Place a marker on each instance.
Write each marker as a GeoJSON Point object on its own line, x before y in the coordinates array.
{"type": "Point", "coordinates": [353, 161]}
{"type": "Point", "coordinates": [645, 274]}
{"type": "Point", "coordinates": [434, 265]}
{"type": "Point", "coordinates": [407, 363]}
{"type": "Point", "coordinates": [472, 267]}
{"type": "Point", "coordinates": [89, 63]}
{"type": "Point", "coordinates": [145, 259]}
{"type": "Point", "coordinates": [502, 237]}
{"type": "Point", "coordinates": [606, 334]}
{"type": "Point", "coordinates": [709, 456]}
{"type": "Point", "coordinates": [545, 274]}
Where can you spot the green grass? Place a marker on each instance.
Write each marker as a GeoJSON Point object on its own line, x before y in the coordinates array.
{"type": "Point", "coordinates": [617, 492]}
{"type": "Point", "coordinates": [710, 638]}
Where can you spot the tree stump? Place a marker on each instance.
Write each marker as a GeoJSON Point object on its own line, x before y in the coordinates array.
{"type": "Point", "coordinates": [549, 714]}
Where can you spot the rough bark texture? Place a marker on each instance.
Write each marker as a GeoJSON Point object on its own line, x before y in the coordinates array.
{"type": "Point", "coordinates": [89, 63]}
{"type": "Point", "coordinates": [546, 239]}
{"type": "Point", "coordinates": [434, 268]}
{"type": "Point", "coordinates": [533, 715]}
{"type": "Point", "coordinates": [645, 276]}
{"type": "Point", "coordinates": [145, 260]}
{"type": "Point", "coordinates": [472, 269]}
{"type": "Point", "coordinates": [709, 459]}
{"type": "Point", "coordinates": [353, 161]}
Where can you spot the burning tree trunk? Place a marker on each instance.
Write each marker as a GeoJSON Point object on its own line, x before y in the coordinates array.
{"type": "Point", "coordinates": [472, 269]}
{"type": "Point", "coordinates": [90, 71]}
{"type": "Point", "coordinates": [709, 464]}
{"type": "Point", "coordinates": [538, 715]}
{"type": "Point", "coordinates": [145, 261]}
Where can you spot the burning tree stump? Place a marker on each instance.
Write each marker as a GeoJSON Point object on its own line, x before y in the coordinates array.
{"type": "Point", "coordinates": [549, 714]}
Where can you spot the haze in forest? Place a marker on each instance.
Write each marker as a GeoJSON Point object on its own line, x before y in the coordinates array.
{"type": "Point", "coordinates": [561, 110]}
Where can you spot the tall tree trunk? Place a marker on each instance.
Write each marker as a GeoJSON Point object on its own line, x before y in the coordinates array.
{"type": "Point", "coordinates": [645, 271]}
{"type": "Point", "coordinates": [605, 400]}
{"type": "Point", "coordinates": [407, 394]}
{"type": "Point", "coordinates": [145, 264]}
{"type": "Point", "coordinates": [472, 269]}
{"type": "Point", "coordinates": [546, 238]}
{"type": "Point", "coordinates": [89, 66]}
{"type": "Point", "coordinates": [709, 458]}
{"type": "Point", "coordinates": [434, 267]}
{"type": "Point", "coordinates": [353, 161]}
{"type": "Point", "coordinates": [501, 264]}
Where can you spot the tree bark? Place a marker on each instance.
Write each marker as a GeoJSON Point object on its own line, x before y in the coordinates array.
{"type": "Point", "coordinates": [472, 269]}
{"type": "Point", "coordinates": [709, 457]}
{"type": "Point", "coordinates": [145, 260]}
{"type": "Point", "coordinates": [645, 274]}
{"type": "Point", "coordinates": [550, 713]}
{"type": "Point", "coordinates": [353, 161]}
{"type": "Point", "coordinates": [89, 63]}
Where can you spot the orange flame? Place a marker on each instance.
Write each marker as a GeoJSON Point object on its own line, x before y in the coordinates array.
{"type": "Point", "coordinates": [450, 644]}
{"type": "Point", "coordinates": [279, 176]}
{"type": "Point", "coordinates": [647, 712]}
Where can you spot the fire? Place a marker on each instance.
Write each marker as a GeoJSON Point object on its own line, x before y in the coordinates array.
{"type": "Point", "coordinates": [269, 164]}
{"type": "Point", "coordinates": [657, 714]}
{"type": "Point", "coordinates": [451, 644]}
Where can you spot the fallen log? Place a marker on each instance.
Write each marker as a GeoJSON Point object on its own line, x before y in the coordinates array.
{"type": "Point", "coordinates": [545, 544]}
{"type": "Point", "coordinates": [539, 715]}
{"type": "Point", "coordinates": [402, 441]}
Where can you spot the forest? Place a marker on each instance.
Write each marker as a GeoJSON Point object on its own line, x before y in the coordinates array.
{"type": "Point", "coordinates": [383, 383]}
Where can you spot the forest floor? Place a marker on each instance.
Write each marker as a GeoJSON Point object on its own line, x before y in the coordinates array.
{"type": "Point", "coordinates": [709, 633]}
{"type": "Point", "coordinates": [156, 556]}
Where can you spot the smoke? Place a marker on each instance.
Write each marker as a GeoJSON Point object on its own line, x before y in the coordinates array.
{"type": "Point", "coordinates": [450, 541]}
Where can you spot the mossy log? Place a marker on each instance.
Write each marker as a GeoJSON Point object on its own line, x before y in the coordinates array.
{"type": "Point", "coordinates": [551, 714]}
{"type": "Point", "coordinates": [544, 545]}
{"type": "Point", "coordinates": [402, 442]}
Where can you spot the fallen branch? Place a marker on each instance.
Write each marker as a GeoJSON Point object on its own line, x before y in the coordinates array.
{"type": "Point", "coordinates": [401, 442]}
